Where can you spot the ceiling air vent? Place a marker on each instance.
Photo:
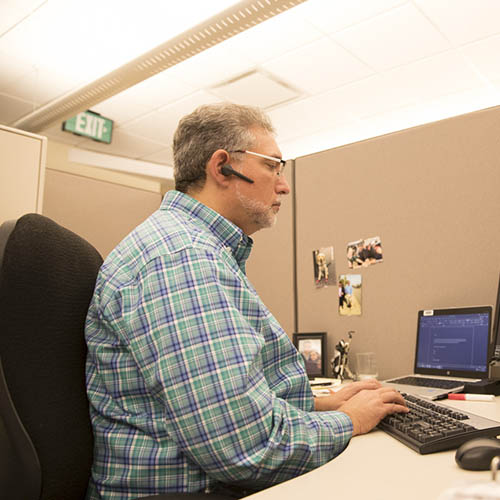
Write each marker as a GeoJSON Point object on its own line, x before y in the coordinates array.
{"type": "Point", "coordinates": [256, 88]}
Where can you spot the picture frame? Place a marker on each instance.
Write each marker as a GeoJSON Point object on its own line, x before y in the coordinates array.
{"type": "Point", "coordinates": [313, 348]}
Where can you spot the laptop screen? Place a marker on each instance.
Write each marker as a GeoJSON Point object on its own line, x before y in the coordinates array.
{"type": "Point", "coordinates": [454, 342]}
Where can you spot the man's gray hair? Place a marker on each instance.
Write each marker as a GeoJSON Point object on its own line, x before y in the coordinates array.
{"type": "Point", "coordinates": [209, 128]}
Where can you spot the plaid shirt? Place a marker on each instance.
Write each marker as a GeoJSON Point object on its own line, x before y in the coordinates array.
{"type": "Point", "coordinates": [191, 380]}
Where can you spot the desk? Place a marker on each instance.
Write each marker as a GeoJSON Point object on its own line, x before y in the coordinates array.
{"type": "Point", "coordinates": [376, 466]}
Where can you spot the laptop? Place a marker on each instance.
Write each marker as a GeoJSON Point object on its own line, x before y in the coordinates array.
{"type": "Point", "coordinates": [452, 348]}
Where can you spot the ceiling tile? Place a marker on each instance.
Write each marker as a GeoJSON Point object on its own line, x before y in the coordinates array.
{"type": "Point", "coordinates": [399, 36]}
{"type": "Point", "coordinates": [430, 78]}
{"type": "Point", "coordinates": [161, 124]}
{"type": "Point", "coordinates": [19, 41]}
{"type": "Point", "coordinates": [144, 97]}
{"type": "Point", "coordinates": [156, 91]}
{"type": "Point", "coordinates": [334, 15]}
{"type": "Point", "coordinates": [10, 16]}
{"type": "Point", "coordinates": [462, 102]}
{"type": "Point", "coordinates": [496, 85]}
{"type": "Point", "coordinates": [11, 109]}
{"type": "Point", "coordinates": [154, 125]}
{"type": "Point", "coordinates": [39, 86]}
{"type": "Point", "coordinates": [11, 69]}
{"type": "Point", "coordinates": [212, 66]}
{"type": "Point", "coordinates": [463, 21]}
{"type": "Point", "coordinates": [24, 7]}
{"type": "Point", "coordinates": [391, 121]}
{"type": "Point", "coordinates": [320, 141]}
{"type": "Point", "coordinates": [124, 144]}
{"type": "Point", "coordinates": [164, 156]}
{"type": "Point", "coordinates": [387, 122]}
{"type": "Point", "coordinates": [274, 37]}
{"type": "Point", "coordinates": [366, 97]}
{"type": "Point", "coordinates": [121, 109]}
{"type": "Point", "coordinates": [55, 133]}
{"type": "Point", "coordinates": [178, 109]}
{"type": "Point", "coordinates": [309, 115]}
{"type": "Point", "coordinates": [430, 111]}
{"type": "Point", "coordinates": [318, 66]}
{"type": "Point", "coordinates": [484, 56]}
{"type": "Point", "coordinates": [14, 11]}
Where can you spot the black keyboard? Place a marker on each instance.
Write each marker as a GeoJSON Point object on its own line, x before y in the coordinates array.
{"type": "Point", "coordinates": [431, 427]}
{"type": "Point", "coordinates": [429, 382]}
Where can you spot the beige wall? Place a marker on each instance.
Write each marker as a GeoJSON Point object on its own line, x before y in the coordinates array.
{"type": "Point", "coordinates": [432, 194]}
{"type": "Point", "coordinates": [57, 159]}
{"type": "Point", "coordinates": [101, 212]}
{"type": "Point", "coordinates": [100, 205]}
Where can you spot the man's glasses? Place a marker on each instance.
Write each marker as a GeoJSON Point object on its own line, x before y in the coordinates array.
{"type": "Point", "coordinates": [281, 163]}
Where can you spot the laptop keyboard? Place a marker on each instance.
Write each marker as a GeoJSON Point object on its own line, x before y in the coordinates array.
{"type": "Point", "coordinates": [430, 427]}
{"type": "Point", "coordinates": [429, 382]}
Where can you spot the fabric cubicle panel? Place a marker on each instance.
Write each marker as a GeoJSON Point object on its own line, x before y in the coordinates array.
{"type": "Point", "coordinates": [432, 194]}
{"type": "Point", "coordinates": [101, 212]}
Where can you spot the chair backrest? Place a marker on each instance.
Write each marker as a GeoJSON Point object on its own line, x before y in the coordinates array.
{"type": "Point", "coordinates": [47, 277]}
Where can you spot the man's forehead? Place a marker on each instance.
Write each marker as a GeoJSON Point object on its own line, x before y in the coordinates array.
{"type": "Point", "coordinates": [266, 143]}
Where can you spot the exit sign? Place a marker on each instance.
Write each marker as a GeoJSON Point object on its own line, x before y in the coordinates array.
{"type": "Point", "coordinates": [90, 124]}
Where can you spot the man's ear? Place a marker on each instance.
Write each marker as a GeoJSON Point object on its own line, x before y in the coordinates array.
{"type": "Point", "coordinates": [214, 167]}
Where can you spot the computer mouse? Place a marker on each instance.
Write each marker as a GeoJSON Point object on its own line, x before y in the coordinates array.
{"type": "Point", "coordinates": [477, 454]}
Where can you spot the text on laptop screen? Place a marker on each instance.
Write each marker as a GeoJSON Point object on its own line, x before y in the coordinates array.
{"type": "Point", "coordinates": [453, 342]}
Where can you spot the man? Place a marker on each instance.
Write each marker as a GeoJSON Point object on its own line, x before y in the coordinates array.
{"type": "Point", "coordinates": [193, 384]}
{"type": "Point", "coordinates": [348, 293]}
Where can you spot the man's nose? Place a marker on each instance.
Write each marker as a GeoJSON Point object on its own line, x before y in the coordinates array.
{"type": "Point", "coordinates": [282, 186]}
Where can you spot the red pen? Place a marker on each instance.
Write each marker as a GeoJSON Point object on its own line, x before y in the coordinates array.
{"type": "Point", "coordinates": [472, 397]}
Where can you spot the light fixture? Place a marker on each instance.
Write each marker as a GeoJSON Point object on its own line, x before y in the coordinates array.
{"type": "Point", "coordinates": [230, 22]}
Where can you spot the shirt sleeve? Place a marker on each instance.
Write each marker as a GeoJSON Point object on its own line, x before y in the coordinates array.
{"type": "Point", "coordinates": [189, 332]}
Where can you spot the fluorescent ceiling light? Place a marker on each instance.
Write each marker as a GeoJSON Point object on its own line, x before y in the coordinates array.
{"type": "Point", "coordinates": [179, 47]}
{"type": "Point", "coordinates": [86, 40]}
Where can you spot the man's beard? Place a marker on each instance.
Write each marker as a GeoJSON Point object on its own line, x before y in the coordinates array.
{"type": "Point", "coordinates": [260, 214]}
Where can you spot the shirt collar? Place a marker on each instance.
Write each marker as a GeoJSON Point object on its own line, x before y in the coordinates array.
{"type": "Point", "coordinates": [229, 234]}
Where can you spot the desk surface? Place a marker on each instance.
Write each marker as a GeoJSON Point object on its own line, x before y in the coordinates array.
{"type": "Point", "coordinates": [376, 466]}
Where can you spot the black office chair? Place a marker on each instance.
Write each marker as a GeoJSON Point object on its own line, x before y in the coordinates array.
{"type": "Point", "coordinates": [47, 277]}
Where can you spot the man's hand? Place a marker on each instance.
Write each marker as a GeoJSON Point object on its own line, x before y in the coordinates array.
{"type": "Point", "coordinates": [368, 407]}
{"type": "Point", "coordinates": [337, 398]}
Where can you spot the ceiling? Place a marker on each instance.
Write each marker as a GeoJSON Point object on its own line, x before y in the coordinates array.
{"type": "Point", "coordinates": [328, 72]}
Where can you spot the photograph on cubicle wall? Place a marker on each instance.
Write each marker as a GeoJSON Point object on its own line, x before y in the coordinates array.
{"type": "Point", "coordinates": [350, 294]}
{"type": "Point", "coordinates": [312, 346]}
{"type": "Point", "coordinates": [324, 267]}
{"type": "Point", "coordinates": [364, 253]}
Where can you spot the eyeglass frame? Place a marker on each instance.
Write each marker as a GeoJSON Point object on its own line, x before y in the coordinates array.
{"type": "Point", "coordinates": [267, 157]}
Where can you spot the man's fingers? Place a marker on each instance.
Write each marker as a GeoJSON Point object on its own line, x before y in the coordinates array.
{"type": "Point", "coordinates": [390, 395]}
{"type": "Point", "coordinates": [397, 408]}
{"type": "Point", "coordinates": [364, 384]}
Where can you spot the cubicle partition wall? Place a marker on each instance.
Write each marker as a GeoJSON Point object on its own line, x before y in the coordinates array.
{"type": "Point", "coordinates": [432, 195]}
{"type": "Point", "coordinates": [22, 172]}
{"type": "Point", "coordinates": [100, 204]}
{"type": "Point", "coordinates": [101, 212]}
